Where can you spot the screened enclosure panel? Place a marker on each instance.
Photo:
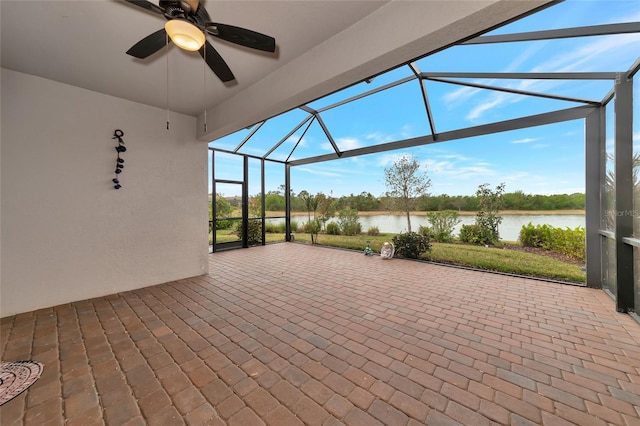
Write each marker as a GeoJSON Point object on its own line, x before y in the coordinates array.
{"type": "Point", "coordinates": [254, 183]}
{"type": "Point", "coordinates": [362, 87]}
{"type": "Point", "coordinates": [310, 140]}
{"type": "Point", "coordinates": [228, 166]}
{"type": "Point", "coordinates": [232, 192]}
{"type": "Point", "coordinates": [457, 107]}
{"type": "Point", "coordinates": [379, 118]}
{"type": "Point", "coordinates": [564, 15]}
{"type": "Point", "coordinates": [609, 269]}
{"type": "Point", "coordinates": [272, 131]}
{"type": "Point", "coordinates": [608, 183]}
{"type": "Point", "coordinates": [636, 280]}
{"type": "Point", "coordinates": [333, 178]}
{"type": "Point", "coordinates": [636, 158]}
{"type": "Point", "coordinates": [519, 158]}
{"type": "Point", "coordinates": [274, 184]}
{"type": "Point", "coordinates": [227, 222]}
{"type": "Point", "coordinates": [510, 112]}
{"type": "Point", "coordinates": [582, 54]}
{"type": "Point", "coordinates": [230, 142]}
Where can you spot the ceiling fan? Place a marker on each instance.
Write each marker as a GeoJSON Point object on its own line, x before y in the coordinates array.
{"type": "Point", "coordinates": [187, 25]}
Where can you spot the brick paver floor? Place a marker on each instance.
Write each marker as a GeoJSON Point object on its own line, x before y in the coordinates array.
{"type": "Point", "coordinates": [291, 334]}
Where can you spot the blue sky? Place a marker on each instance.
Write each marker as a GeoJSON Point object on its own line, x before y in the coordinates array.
{"type": "Point", "coordinates": [540, 160]}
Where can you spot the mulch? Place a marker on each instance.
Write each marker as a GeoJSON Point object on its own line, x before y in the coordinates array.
{"type": "Point", "coordinates": [542, 252]}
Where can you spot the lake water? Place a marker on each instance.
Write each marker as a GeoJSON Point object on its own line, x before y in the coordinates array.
{"type": "Point", "coordinates": [509, 228]}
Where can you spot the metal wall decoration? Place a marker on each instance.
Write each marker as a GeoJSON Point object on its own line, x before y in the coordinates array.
{"type": "Point", "coordinates": [118, 134]}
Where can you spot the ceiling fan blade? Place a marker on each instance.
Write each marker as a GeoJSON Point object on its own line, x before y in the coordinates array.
{"type": "Point", "coordinates": [149, 45]}
{"type": "Point", "coordinates": [146, 5]}
{"type": "Point", "coordinates": [216, 63]}
{"type": "Point", "coordinates": [242, 36]}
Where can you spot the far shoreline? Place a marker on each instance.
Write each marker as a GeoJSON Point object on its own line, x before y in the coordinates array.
{"type": "Point", "coordinates": [461, 213]}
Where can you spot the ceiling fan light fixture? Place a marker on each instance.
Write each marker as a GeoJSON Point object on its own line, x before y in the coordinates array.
{"type": "Point", "coordinates": [184, 34]}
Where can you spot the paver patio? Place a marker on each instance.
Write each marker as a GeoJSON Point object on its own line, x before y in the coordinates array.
{"type": "Point", "coordinates": [291, 334]}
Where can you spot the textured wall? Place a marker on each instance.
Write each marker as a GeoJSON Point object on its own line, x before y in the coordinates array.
{"type": "Point", "coordinates": [66, 234]}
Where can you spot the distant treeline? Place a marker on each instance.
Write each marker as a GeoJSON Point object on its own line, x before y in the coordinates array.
{"type": "Point", "coordinates": [510, 201]}
{"type": "Point", "coordinates": [365, 201]}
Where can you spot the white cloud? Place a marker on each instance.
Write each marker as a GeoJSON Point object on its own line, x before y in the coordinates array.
{"type": "Point", "coordinates": [454, 157]}
{"type": "Point", "coordinates": [326, 146]}
{"type": "Point", "coordinates": [460, 95]}
{"type": "Point", "coordinates": [346, 144]}
{"type": "Point", "coordinates": [455, 170]}
{"type": "Point", "coordinates": [378, 137]}
{"type": "Point", "coordinates": [407, 131]}
{"type": "Point", "coordinates": [494, 101]}
{"type": "Point", "coordinates": [515, 176]}
{"type": "Point", "coordinates": [319, 172]}
{"type": "Point", "coordinates": [387, 159]}
{"type": "Point", "coordinates": [525, 140]}
{"type": "Point", "coordinates": [293, 139]}
{"type": "Point", "coordinates": [473, 172]}
{"type": "Point", "coordinates": [611, 48]}
{"type": "Point", "coordinates": [526, 54]}
{"type": "Point", "coordinates": [438, 166]}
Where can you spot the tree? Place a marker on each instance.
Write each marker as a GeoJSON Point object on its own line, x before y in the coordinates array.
{"type": "Point", "coordinates": [442, 224]}
{"type": "Point", "coordinates": [487, 218]}
{"type": "Point", "coordinates": [405, 184]}
{"type": "Point", "coordinates": [326, 208]}
{"type": "Point", "coordinates": [255, 205]}
{"type": "Point", "coordinates": [349, 222]}
{"type": "Point", "coordinates": [223, 210]}
{"type": "Point", "coordinates": [274, 201]}
{"type": "Point", "coordinates": [311, 204]}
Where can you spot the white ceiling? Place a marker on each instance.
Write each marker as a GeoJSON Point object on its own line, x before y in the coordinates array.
{"type": "Point", "coordinates": [322, 46]}
{"type": "Point", "coordinates": [83, 43]}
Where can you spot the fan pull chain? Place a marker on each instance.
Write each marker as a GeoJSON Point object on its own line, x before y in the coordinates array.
{"type": "Point", "coordinates": [204, 67]}
{"type": "Point", "coordinates": [167, 56]}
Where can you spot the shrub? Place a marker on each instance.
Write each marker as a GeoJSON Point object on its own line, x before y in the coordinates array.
{"type": "Point", "coordinates": [349, 222]}
{"type": "Point", "coordinates": [254, 231]}
{"type": "Point", "coordinates": [424, 230]}
{"type": "Point", "coordinates": [411, 244]}
{"type": "Point", "coordinates": [279, 228]}
{"type": "Point", "coordinates": [333, 228]}
{"type": "Point", "coordinates": [534, 236]}
{"type": "Point", "coordinates": [570, 242]}
{"type": "Point", "coordinates": [313, 227]}
{"type": "Point", "coordinates": [373, 231]}
{"type": "Point", "coordinates": [442, 224]}
{"type": "Point", "coordinates": [275, 228]}
{"type": "Point", "coordinates": [475, 234]}
{"type": "Point", "coordinates": [224, 224]}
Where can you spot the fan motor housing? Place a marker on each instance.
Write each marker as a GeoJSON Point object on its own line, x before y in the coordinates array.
{"type": "Point", "coordinates": [188, 6]}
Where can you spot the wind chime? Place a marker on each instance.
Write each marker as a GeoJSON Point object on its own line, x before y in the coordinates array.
{"type": "Point", "coordinates": [117, 134]}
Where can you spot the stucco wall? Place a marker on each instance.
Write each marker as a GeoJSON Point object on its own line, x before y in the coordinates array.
{"type": "Point", "coordinates": [66, 234]}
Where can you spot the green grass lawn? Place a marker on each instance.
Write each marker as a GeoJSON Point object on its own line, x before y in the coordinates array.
{"type": "Point", "coordinates": [480, 257]}
{"type": "Point", "coordinates": [504, 260]}
{"type": "Point", "coordinates": [487, 258]}
{"type": "Point", "coordinates": [227, 235]}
